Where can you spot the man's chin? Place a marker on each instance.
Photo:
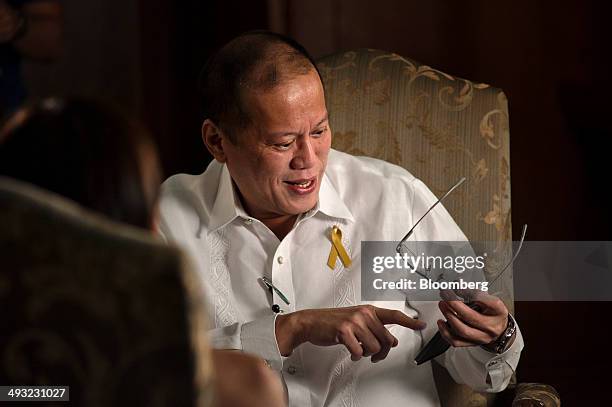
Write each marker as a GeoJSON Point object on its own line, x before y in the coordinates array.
{"type": "Point", "coordinates": [300, 208]}
{"type": "Point", "coordinates": [297, 205]}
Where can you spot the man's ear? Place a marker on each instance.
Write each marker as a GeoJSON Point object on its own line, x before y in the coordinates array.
{"type": "Point", "coordinates": [213, 139]}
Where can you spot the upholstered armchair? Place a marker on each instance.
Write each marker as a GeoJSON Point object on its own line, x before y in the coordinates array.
{"type": "Point", "coordinates": [103, 308]}
{"type": "Point", "coordinates": [440, 128]}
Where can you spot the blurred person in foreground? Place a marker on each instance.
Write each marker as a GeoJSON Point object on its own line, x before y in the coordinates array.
{"type": "Point", "coordinates": [93, 155]}
{"type": "Point", "coordinates": [265, 210]}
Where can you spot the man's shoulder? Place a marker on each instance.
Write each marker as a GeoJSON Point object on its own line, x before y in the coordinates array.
{"type": "Point", "coordinates": [181, 183]}
{"type": "Point", "coordinates": [343, 168]}
{"type": "Point", "coordinates": [371, 187]}
{"type": "Point", "coordinates": [182, 192]}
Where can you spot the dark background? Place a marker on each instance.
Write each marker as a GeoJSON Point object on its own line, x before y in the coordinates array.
{"type": "Point", "coordinates": [551, 58]}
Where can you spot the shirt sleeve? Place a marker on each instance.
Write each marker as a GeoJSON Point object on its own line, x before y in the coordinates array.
{"type": "Point", "coordinates": [480, 369]}
{"type": "Point", "coordinates": [473, 366]}
{"type": "Point", "coordinates": [256, 337]}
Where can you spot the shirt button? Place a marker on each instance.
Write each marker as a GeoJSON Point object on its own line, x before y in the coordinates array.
{"type": "Point", "coordinates": [248, 221]}
{"type": "Point", "coordinates": [276, 309]}
{"type": "Point", "coordinates": [291, 370]}
{"type": "Point", "coordinates": [280, 259]}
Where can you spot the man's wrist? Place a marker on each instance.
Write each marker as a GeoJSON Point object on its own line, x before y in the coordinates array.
{"type": "Point", "coordinates": [289, 332]}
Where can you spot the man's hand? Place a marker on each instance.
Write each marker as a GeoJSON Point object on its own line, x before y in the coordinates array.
{"type": "Point", "coordinates": [467, 327]}
{"type": "Point", "coordinates": [361, 329]}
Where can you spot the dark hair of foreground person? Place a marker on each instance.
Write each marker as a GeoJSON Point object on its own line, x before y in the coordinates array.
{"type": "Point", "coordinates": [85, 151]}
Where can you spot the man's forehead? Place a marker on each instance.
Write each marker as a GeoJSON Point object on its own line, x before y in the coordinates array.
{"type": "Point", "coordinates": [298, 102]}
{"type": "Point", "coordinates": [308, 84]}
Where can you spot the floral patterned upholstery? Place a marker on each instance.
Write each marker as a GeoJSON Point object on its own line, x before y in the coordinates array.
{"type": "Point", "coordinates": [440, 128]}
{"type": "Point", "coordinates": [101, 307]}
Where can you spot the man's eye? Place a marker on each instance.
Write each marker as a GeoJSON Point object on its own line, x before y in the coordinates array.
{"type": "Point", "coordinates": [319, 132]}
{"type": "Point", "coordinates": [283, 146]}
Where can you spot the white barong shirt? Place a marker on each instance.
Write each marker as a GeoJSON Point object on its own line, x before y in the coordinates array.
{"type": "Point", "coordinates": [368, 200]}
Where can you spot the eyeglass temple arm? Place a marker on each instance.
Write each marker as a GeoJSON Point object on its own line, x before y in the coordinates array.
{"type": "Point", "coordinates": [461, 181]}
{"type": "Point", "coordinates": [518, 250]}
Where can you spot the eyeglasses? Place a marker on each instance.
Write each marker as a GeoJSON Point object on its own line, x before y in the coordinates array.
{"type": "Point", "coordinates": [402, 247]}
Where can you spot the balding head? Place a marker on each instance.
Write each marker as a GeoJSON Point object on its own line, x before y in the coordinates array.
{"type": "Point", "coordinates": [256, 61]}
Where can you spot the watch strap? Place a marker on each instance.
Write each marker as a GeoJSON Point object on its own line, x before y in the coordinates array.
{"type": "Point", "coordinates": [503, 342]}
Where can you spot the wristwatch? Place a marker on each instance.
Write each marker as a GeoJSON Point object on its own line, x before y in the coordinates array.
{"type": "Point", "coordinates": [502, 343]}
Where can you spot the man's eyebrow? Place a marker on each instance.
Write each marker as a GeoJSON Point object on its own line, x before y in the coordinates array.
{"type": "Point", "coordinates": [323, 120]}
{"type": "Point", "coordinates": [288, 133]}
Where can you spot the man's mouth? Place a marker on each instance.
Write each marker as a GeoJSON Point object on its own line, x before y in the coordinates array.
{"type": "Point", "coordinates": [302, 185]}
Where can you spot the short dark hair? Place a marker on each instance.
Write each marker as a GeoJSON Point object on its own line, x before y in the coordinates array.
{"type": "Point", "coordinates": [255, 60]}
{"type": "Point", "coordinates": [86, 151]}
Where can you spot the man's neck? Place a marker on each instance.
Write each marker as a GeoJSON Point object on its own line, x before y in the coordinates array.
{"type": "Point", "coordinates": [280, 226]}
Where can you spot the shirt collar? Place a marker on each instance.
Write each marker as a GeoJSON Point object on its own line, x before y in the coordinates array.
{"type": "Point", "coordinates": [228, 207]}
{"type": "Point", "coordinates": [330, 202]}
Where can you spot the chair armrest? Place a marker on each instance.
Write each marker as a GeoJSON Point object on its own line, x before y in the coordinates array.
{"type": "Point", "coordinates": [536, 395]}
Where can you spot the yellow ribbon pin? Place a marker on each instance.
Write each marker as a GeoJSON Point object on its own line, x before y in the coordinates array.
{"type": "Point", "coordinates": [337, 250]}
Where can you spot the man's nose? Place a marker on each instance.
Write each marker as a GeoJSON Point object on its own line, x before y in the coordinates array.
{"type": "Point", "coordinates": [305, 154]}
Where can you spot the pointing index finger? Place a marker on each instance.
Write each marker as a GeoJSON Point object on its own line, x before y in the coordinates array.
{"type": "Point", "coordinates": [390, 316]}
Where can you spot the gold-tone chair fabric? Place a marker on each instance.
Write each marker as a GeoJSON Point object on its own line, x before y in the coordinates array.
{"type": "Point", "coordinates": [98, 306]}
{"type": "Point", "coordinates": [440, 128]}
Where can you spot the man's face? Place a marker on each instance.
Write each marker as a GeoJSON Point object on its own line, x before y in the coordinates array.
{"type": "Point", "coordinates": [279, 160]}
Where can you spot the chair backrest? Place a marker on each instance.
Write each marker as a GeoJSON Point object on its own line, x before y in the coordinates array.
{"type": "Point", "coordinates": [438, 127]}
{"type": "Point", "coordinates": [95, 305]}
